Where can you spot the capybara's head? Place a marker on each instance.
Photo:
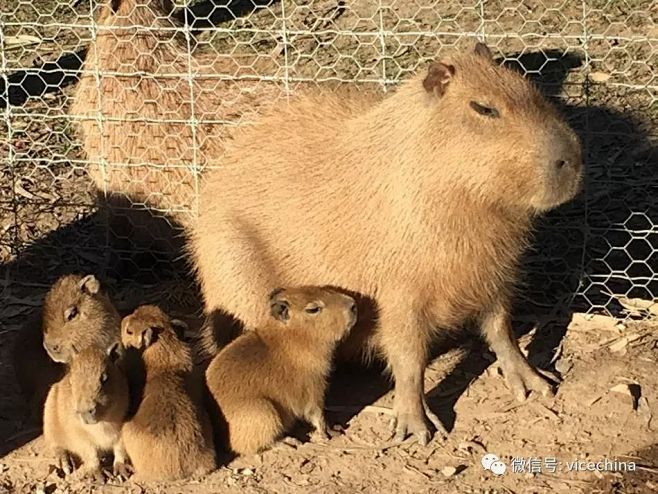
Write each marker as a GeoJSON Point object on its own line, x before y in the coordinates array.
{"type": "Point", "coordinates": [141, 328]}
{"type": "Point", "coordinates": [77, 314]}
{"type": "Point", "coordinates": [505, 142]}
{"type": "Point", "coordinates": [96, 382]}
{"type": "Point", "coordinates": [326, 312]}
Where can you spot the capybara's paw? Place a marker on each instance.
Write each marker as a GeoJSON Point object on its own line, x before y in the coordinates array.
{"type": "Point", "coordinates": [64, 462]}
{"type": "Point", "coordinates": [122, 470]}
{"type": "Point", "coordinates": [407, 424]}
{"type": "Point", "coordinates": [90, 474]}
{"type": "Point", "coordinates": [522, 378]}
{"type": "Point", "coordinates": [320, 435]}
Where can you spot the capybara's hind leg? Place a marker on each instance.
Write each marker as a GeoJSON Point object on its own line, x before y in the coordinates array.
{"type": "Point", "coordinates": [255, 426]}
{"type": "Point", "coordinates": [520, 376]}
{"type": "Point", "coordinates": [404, 341]}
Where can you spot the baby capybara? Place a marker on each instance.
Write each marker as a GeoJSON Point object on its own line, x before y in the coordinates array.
{"type": "Point", "coordinates": [423, 202]}
{"type": "Point", "coordinates": [170, 436]}
{"type": "Point", "coordinates": [267, 379]}
{"type": "Point", "coordinates": [84, 412]}
{"type": "Point", "coordinates": [77, 313]}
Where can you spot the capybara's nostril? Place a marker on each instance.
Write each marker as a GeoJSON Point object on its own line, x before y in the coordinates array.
{"type": "Point", "coordinates": [56, 348]}
{"type": "Point", "coordinates": [353, 308]}
{"type": "Point", "coordinates": [561, 164]}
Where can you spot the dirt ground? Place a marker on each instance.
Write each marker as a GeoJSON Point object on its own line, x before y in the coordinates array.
{"type": "Point", "coordinates": [604, 409]}
{"type": "Point", "coordinates": [604, 243]}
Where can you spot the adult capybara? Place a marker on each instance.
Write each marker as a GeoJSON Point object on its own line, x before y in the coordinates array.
{"type": "Point", "coordinates": [84, 412]}
{"type": "Point", "coordinates": [267, 379]}
{"type": "Point", "coordinates": [423, 203]}
{"type": "Point", "coordinates": [170, 436]}
{"type": "Point", "coordinates": [152, 116]}
{"type": "Point", "coordinates": [77, 313]}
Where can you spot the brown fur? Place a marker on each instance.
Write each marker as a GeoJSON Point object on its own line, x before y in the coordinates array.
{"type": "Point", "coordinates": [135, 78]}
{"type": "Point", "coordinates": [419, 203]}
{"type": "Point", "coordinates": [84, 411]}
{"type": "Point", "coordinates": [265, 380]}
{"type": "Point", "coordinates": [170, 436]}
{"type": "Point", "coordinates": [77, 313]}
{"type": "Point", "coordinates": [35, 370]}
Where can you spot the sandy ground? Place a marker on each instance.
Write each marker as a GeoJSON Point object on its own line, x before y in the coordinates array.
{"type": "Point", "coordinates": [604, 409]}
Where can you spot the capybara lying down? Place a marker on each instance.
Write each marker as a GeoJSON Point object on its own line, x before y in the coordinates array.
{"type": "Point", "coordinates": [268, 378]}
{"type": "Point", "coordinates": [147, 129]}
{"type": "Point", "coordinates": [423, 202]}
{"type": "Point", "coordinates": [84, 412]}
{"type": "Point", "coordinates": [170, 436]}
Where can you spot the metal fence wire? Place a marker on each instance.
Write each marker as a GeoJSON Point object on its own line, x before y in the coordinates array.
{"type": "Point", "coordinates": [598, 59]}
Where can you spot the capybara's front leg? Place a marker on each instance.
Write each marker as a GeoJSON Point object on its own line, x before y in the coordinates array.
{"type": "Point", "coordinates": [404, 342]}
{"type": "Point", "coordinates": [315, 416]}
{"type": "Point", "coordinates": [520, 376]}
{"type": "Point", "coordinates": [120, 466]}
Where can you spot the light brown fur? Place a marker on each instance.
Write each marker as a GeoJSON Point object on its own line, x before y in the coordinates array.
{"type": "Point", "coordinates": [170, 436]}
{"type": "Point", "coordinates": [84, 412]}
{"type": "Point", "coordinates": [135, 78]}
{"type": "Point", "coordinates": [77, 313]}
{"type": "Point", "coordinates": [419, 203]}
{"type": "Point", "coordinates": [265, 380]}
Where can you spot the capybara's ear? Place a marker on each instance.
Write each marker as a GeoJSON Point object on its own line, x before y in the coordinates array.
{"type": "Point", "coordinates": [90, 285]}
{"type": "Point", "coordinates": [115, 352]}
{"type": "Point", "coordinates": [438, 77]}
{"type": "Point", "coordinates": [280, 310]}
{"type": "Point", "coordinates": [483, 51]}
{"type": "Point", "coordinates": [149, 335]}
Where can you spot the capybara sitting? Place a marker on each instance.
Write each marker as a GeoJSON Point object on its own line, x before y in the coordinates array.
{"type": "Point", "coordinates": [170, 436]}
{"type": "Point", "coordinates": [147, 129]}
{"type": "Point", "coordinates": [77, 313]}
{"type": "Point", "coordinates": [266, 379]}
{"type": "Point", "coordinates": [423, 203]}
{"type": "Point", "coordinates": [84, 412]}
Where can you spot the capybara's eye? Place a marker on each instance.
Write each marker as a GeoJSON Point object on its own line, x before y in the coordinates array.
{"type": "Point", "coordinates": [485, 111]}
{"type": "Point", "coordinates": [313, 309]}
{"type": "Point", "coordinates": [129, 331]}
{"type": "Point", "coordinates": [71, 313]}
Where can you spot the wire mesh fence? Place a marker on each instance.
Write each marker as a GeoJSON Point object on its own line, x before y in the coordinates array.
{"type": "Point", "coordinates": [112, 110]}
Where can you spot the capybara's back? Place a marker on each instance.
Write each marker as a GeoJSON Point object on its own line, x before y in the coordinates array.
{"type": "Point", "coordinates": [159, 128]}
{"type": "Point", "coordinates": [422, 202]}
{"type": "Point", "coordinates": [170, 436]}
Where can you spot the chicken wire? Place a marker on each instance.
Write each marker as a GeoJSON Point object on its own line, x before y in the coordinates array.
{"type": "Point", "coordinates": [596, 58]}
